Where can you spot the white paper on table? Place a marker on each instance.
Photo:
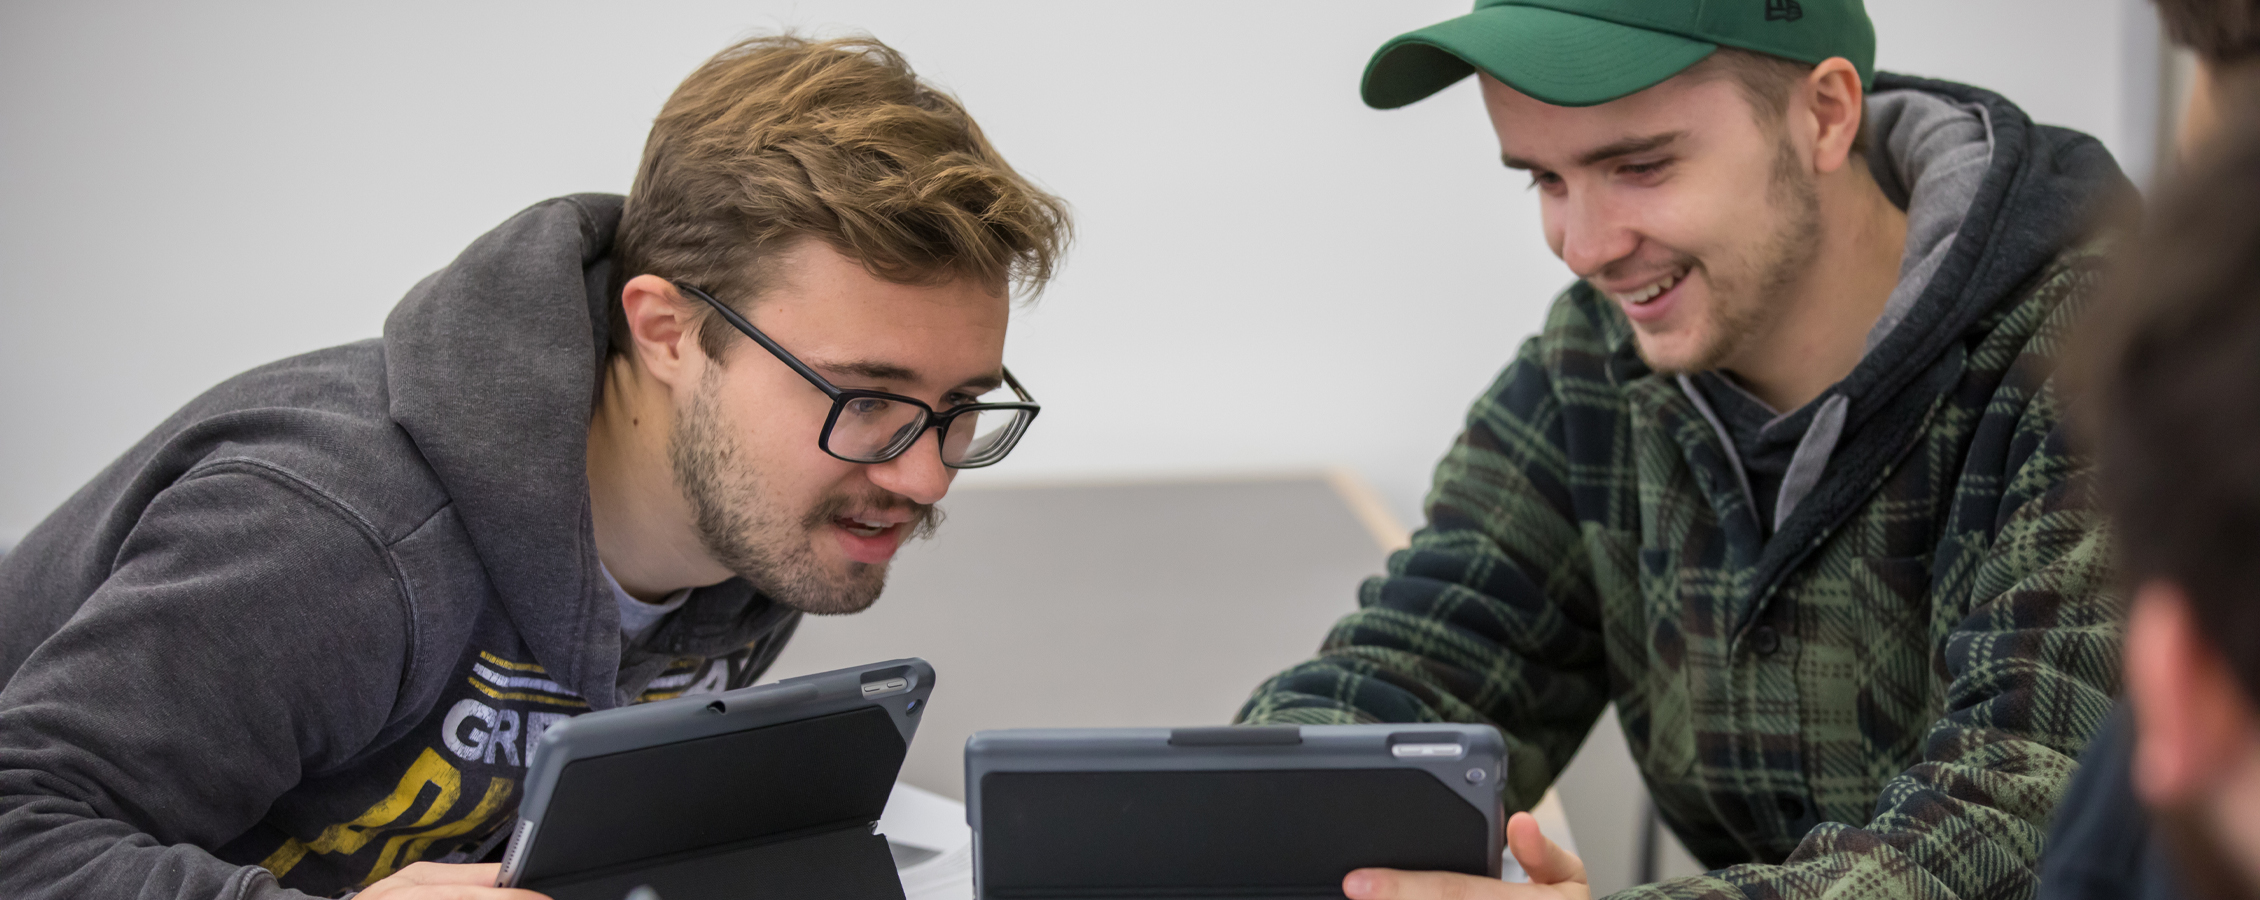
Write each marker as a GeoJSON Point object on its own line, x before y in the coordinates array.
{"type": "Point", "coordinates": [933, 846]}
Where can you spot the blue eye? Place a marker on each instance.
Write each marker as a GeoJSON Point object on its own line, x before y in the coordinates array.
{"type": "Point", "coordinates": [868, 406]}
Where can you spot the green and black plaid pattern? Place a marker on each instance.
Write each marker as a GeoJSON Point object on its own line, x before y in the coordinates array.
{"type": "Point", "coordinates": [1883, 701]}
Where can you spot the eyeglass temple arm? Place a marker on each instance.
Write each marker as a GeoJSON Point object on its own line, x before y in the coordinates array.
{"type": "Point", "coordinates": [739, 322]}
{"type": "Point", "coordinates": [1017, 390]}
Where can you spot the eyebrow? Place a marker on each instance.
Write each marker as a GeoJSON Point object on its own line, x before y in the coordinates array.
{"type": "Point", "coordinates": [1625, 147]}
{"type": "Point", "coordinates": [883, 371]}
{"type": "Point", "coordinates": [868, 369]}
{"type": "Point", "coordinates": [982, 385]}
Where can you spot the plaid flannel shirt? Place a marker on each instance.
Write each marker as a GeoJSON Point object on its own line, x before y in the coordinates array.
{"type": "Point", "coordinates": [1884, 700]}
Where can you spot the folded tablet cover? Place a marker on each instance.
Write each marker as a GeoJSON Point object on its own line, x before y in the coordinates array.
{"type": "Point", "coordinates": [771, 789]}
{"type": "Point", "coordinates": [1244, 812]}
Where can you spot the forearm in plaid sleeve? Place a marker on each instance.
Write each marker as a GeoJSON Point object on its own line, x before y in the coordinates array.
{"type": "Point", "coordinates": [1490, 615]}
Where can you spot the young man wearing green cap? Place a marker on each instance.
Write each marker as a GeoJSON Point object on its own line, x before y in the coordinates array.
{"type": "Point", "coordinates": [1782, 477]}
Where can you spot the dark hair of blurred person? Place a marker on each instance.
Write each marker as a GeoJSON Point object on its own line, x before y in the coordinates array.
{"type": "Point", "coordinates": [2166, 371]}
{"type": "Point", "coordinates": [2225, 35]}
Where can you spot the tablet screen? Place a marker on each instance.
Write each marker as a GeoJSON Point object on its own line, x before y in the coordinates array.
{"type": "Point", "coordinates": [777, 780]}
{"type": "Point", "coordinates": [1263, 832]}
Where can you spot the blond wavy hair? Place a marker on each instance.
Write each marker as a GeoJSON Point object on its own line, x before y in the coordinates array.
{"type": "Point", "coordinates": [782, 138]}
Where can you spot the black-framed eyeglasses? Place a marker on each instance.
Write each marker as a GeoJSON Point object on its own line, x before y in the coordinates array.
{"type": "Point", "coordinates": [875, 426]}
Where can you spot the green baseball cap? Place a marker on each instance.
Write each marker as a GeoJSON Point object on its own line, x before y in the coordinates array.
{"type": "Point", "coordinates": [1588, 52]}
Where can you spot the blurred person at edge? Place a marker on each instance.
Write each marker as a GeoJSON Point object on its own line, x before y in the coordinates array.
{"type": "Point", "coordinates": [240, 660]}
{"type": "Point", "coordinates": [1784, 475]}
{"type": "Point", "coordinates": [2166, 376]}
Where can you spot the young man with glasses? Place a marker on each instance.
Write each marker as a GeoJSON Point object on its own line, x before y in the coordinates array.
{"type": "Point", "coordinates": [1782, 478]}
{"type": "Point", "coordinates": [304, 634]}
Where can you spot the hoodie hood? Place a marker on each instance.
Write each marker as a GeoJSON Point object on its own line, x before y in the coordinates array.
{"type": "Point", "coordinates": [493, 365]}
{"type": "Point", "coordinates": [2041, 190]}
{"type": "Point", "coordinates": [1985, 192]}
{"type": "Point", "coordinates": [2040, 195]}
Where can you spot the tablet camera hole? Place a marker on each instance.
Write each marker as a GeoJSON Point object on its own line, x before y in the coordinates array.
{"type": "Point", "coordinates": [911, 708]}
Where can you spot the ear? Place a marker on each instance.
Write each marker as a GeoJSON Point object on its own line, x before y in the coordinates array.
{"type": "Point", "coordinates": [2201, 111]}
{"type": "Point", "coordinates": [1831, 108]}
{"type": "Point", "coordinates": [663, 330]}
{"type": "Point", "coordinates": [2191, 717]}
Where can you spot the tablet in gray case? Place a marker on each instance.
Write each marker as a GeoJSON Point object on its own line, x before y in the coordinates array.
{"type": "Point", "coordinates": [768, 791]}
{"type": "Point", "coordinates": [1253, 811]}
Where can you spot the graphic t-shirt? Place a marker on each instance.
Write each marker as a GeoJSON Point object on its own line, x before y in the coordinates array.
{"type": "Point", "coordinates": [462, 768]}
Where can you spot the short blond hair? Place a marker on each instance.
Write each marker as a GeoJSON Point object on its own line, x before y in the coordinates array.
{"type": "Point", "coordinates": [782, 138]}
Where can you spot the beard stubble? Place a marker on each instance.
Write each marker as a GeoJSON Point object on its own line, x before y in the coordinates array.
{"type": "Point", "coordinates": [742, 527]}
{"type": "Point", "coordinates": [1741, 310]}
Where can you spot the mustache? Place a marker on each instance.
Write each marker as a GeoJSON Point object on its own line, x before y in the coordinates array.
{"type": "Point", "coordinates": [924, 517]}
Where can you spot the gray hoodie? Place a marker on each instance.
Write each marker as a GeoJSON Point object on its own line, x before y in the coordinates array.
{"type": "Point", "coordinates": [312, 622]}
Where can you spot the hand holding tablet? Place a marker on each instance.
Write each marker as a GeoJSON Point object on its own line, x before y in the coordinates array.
{"type": "Point", "coordinates": [1554, 873]}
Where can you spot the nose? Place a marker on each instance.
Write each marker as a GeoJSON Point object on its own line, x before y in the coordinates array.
{"type": "Point", "coordinates": [918, 473]}
{"type": "Point", "coordinates": [1588, 235]}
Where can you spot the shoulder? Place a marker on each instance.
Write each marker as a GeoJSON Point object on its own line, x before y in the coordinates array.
{"type": "Point", "coordinates": [1583, 323]}
{"type": "Point", "coordinates": [320, 423]}
{"type": "Point", "coordinates": [313, 436]}
{"type": "Point", "coordinates": [278, 610]}
{"type": "Point", "coordinates": [1566, 391]}
{"type": "Point", "coordinates": [1582, 353]}
{"type": "Point", "coordinates": [278, 475]}
{"type": "Point", "coordinates": [2063, 289]}
{"type": "Point", "coordinates": [2019, 344]}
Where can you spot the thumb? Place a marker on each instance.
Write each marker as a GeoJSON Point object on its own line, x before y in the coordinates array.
{"type": "Point", "coordinates": [480, 874]}
{"type": "Point", "coordinates": [1542, 859]}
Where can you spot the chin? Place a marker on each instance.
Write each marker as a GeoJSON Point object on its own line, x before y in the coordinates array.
{"type": "Point", "coordinates": [847, 594]}
{"type": "Point", "coordinates": [1674, 355]}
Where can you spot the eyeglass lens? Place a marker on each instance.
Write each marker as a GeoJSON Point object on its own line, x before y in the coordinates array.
{"type": "Point", "coordinates": [982, 436]}
{"type": "Point", "coordinates": [873, 429]}
{"type": "Point", "coordinates": [870, 429]}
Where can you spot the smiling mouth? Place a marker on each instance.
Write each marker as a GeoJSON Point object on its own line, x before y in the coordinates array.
{"type": "Point", "coordinates": [1651, 291]}
{"type": "Point", "coordinates": [875, 517]}
{"type": "Point", "coordinates": [861, 527]}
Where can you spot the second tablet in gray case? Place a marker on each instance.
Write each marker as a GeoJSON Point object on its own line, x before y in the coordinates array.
{"type": "Point", "coordinates": [767, 791]}
{"type": "Point", "coordinates": [1252, 811]}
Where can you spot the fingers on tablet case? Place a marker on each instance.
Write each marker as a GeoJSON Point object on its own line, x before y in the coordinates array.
{"type": "Point", "coordinates": [767, 791]}
{"type": "Point", "coordinates": [1269, 811]}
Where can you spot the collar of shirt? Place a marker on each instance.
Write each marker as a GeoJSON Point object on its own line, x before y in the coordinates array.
{"type": "Point", "coordinates": [637, 618]}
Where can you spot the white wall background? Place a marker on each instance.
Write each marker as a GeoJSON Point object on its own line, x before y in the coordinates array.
{"type": "Point", "coordinates": [189, 191]}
